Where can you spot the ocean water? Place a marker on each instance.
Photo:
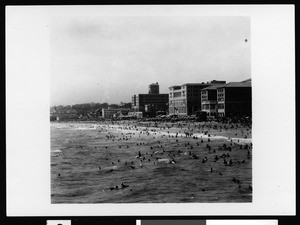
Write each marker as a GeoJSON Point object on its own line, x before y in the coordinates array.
{"type": "Point", "coordinates": [88, 161]}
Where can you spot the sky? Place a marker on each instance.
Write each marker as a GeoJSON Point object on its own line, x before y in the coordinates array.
{"type": "Point", "coordinates": [109, 59]}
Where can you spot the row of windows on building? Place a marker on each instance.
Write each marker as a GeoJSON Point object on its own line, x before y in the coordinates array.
{"type": "Point", "coordinates": [183, 94]}
{"type": "Point", "coordinates": [189, 98]}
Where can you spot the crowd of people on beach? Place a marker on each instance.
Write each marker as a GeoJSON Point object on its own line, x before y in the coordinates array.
{"type": "Point", "coordinates": [218, 145]}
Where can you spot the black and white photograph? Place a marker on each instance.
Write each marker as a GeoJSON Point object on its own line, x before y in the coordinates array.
{"type": "Point", "coordinates": [130, 110]}
{"type": "Point", "coordinates": [151, 109]}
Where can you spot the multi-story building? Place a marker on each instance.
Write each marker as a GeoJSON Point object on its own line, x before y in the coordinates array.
{"type": "Point", "coordinates": [209, 101]}
{"type": "Point", "coordinates": [186, 99]}
{"type": "Point", "coordinates": [235, 99]}
{"type": "Point", "coordinates": [134, 103]}
{"type": "Point", "coordinates": [150, 103]}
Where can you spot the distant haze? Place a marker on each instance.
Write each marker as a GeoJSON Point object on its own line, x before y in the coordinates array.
{"type": "Point", "coordinates": [108, 59]}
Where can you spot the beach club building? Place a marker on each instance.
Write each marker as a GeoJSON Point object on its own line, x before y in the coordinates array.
{"type": "Point", "coordinates": [209, 103]}
{"type": "Point", "coordinates": [235, 99]}
{"type": "Point", "coordinates": [150, 103]}
{"type": "Point", "coordinates": [186, 99]}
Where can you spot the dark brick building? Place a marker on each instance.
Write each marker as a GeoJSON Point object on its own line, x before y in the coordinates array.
{"type": "Point", "coordinates": [235, 99]}
{"type": "Point", "coordinates": [150, 103]}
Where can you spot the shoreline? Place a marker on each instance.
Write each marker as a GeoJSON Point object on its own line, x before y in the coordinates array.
{"type": "Point", "coordinates": [151, 129]}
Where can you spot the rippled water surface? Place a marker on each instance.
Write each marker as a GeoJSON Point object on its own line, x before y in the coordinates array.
{"type": "Point", "coordinates": [88, 161]}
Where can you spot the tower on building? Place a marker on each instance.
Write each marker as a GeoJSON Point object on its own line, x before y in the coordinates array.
{"type": "Point", "coordinates": [154, 88]}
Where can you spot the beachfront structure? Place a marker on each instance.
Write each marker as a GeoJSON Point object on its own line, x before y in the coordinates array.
{"type": "Point", "coordinates": [113, 112]}
{"type": "Point", "coordinates": [235, 99]}
{"type": "Point", "coordinates": [186, 99]}
{"type": "Point", "coordinates": [150, 103]}
{"type": "Point", "coordinates": [209, 103]}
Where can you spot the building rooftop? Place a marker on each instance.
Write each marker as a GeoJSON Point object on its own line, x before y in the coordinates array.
{"type": "Point", "coordinates": [190, 84]}
{"type": "Point", "coordinates": [175, 86]}
{"type": "Point", "coordinates": [237, 84]}
{"type": "Point", "coordinates": [196, 84]}
{"type": "Point", "coordinates": [152, 94]}
{"type": "Point", "coordinates": [217, 82]}
{"type": "Point", "coordinates": [213, 87]}
{"type": "Point", "coordinates": [248, 80]}
{"type": "Point", "coordinates": [154, 83]}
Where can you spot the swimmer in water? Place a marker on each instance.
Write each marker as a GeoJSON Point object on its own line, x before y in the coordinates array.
{"type": "Point", "coordinates": [124, 185]}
